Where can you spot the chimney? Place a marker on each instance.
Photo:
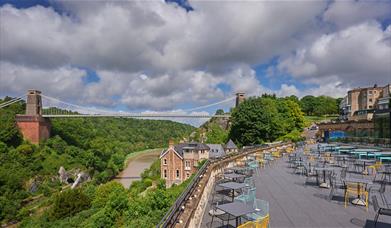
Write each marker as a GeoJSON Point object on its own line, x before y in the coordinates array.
{"type": "Point", "coordinates": [170, 143]}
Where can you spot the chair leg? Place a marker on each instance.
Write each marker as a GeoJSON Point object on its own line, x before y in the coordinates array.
{"type": "Point", "coordinates": [366, 200]}
{"type": "Point", "coordinates": [376, 217]}
{"type": "Point", "coordinates": [346, 196]}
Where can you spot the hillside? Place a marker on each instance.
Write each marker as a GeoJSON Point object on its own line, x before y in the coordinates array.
{"type": "Point", "coordinates": [96, 146]}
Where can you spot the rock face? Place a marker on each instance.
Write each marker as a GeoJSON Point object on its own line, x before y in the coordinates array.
{"type": "Point", "coordinates": [63, 175]}
{"type": "Point", "coordinates": [81, 177]}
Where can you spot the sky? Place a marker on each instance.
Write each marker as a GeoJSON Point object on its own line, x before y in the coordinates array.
{"type": "Point", "coordinates": [146, 56]}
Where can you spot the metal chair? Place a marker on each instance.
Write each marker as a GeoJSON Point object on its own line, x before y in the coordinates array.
{"type": "Point", "coordinates": [379, 210]}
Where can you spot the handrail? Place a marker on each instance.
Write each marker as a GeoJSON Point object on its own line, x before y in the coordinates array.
{"type": "Point", "coordinates": [172, 213]}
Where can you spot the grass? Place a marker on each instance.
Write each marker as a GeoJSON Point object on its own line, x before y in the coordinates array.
{"type": "Point", "coordinates": [313, 119]}
{"type": "Point", "coordinates": [132, 155]}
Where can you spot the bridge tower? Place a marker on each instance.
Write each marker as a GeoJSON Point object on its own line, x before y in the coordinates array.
{"type": "Point", "coordinates": [240, 97]}
{"type": "Point", "coordinates": [33, 126]}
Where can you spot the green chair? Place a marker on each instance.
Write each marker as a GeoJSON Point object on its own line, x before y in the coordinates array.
{"type": "Point", "coordinates": [248, 196]}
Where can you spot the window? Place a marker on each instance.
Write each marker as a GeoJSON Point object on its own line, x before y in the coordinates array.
{"type": "Point", "coordinates": [187, 175]}
{"type": "Point", "coordinates": [370, 92]}
{"type": "Point", "coordinates": [165, 161]}
{"type": "Point", "coordinates": [165, 173]}
{"type": "Point", "coordinates": [370, 106]}
{"type": "Point", "coordinates": [370, 99]}
{"type": "Point", "coordinates": [177, 174]}
{"type": "Point", "coordinates": [187, 163]}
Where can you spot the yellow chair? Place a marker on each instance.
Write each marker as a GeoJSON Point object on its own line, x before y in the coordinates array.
{"type": "Point", "coordinates": [356, 189]}
{"type": "Point", "coordinates": [248, 225]}
{"type": "Point", "coordinates": [259, 223]}
{"type": "Point", "coordinates": [263, 223]}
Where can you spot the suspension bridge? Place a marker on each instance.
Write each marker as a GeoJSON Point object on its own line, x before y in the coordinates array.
{"type": "Point", "coordinates": [56, 108]}
{"type": "Point", "coordinates": [35, 124]}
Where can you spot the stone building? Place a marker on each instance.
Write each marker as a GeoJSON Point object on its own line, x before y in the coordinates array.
{"type": "Point", "coordinates": [179, 162]}
{"type": "Point", "coordinates": [216, 151]}
{"type": "Point", "coordinates": [360, 103]}
{"type": "Point", "coordinates": [230, 147]}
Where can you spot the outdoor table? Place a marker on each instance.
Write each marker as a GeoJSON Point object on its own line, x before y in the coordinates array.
{"type": "Point", "coordinates": [324, 169]}
{"type": "Point", "coordinates": [236, 209]}
{"type": "Point", "coordinates": [366, 161]}
{"type": "Point", "coordinates": [233, 186]}
{"type": "Point", "coordinates": [237, 169]}
{"type": "Point", "coordinates": [366, 151]}
{"type": "Point", "coordinates": [358, 181]}
{"type": "Point", "coordinates": [385, 159]}
{"type": "Point", "coordinates": [233, 176]}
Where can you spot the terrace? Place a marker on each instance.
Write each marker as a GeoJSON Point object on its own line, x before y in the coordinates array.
{"type": "Point", "coordinates": [295, 202]}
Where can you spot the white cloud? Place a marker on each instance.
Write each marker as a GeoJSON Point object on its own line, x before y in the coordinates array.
{"type": "Point", "coordinates": [345, 13]}
{"type": "Point", "coordinates": [156, 56]}
{"type": "Point", "coordinates": [356, 56]}
{"type": "Point", "coordinates": [64, 81]}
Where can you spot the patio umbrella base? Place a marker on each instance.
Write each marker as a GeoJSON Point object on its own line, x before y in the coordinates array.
{"type": "Point", "coordinates": [324, 185]}
{"type": "Point", "coordinates": [359, 202]}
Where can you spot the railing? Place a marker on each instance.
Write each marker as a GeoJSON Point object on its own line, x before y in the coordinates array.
{"type": "Point", "coordinates": [171, 217]}
{"type": "Point", "coordinates": [173, 212]}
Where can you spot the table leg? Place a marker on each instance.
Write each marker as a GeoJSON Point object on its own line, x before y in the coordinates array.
{"type": "Point", "coordinates": [358, 201]}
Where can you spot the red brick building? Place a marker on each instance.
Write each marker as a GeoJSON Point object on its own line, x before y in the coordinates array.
{"type": "Point", "coordinates": [178, 162]}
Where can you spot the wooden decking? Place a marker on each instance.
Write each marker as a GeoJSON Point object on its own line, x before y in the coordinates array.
{"type": "Point", "coordinates": [294, 204]}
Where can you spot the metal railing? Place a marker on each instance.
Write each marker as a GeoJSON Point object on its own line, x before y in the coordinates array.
{"type": "Point", "coordinates": [173, 213]}
{"type": "Point", "coordinates": [170, 218]}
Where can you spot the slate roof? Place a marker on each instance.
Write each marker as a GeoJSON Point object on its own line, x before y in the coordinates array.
{"type": "Point", "coordinates": [231, 145]}
{"type": "Point", "coordinates": [216, 150]}
{"type": "Point", "coordinates": [191, 145]}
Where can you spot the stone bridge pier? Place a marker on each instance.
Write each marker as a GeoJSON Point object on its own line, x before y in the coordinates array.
{"type": "Point", "coordinates": [32, 125]}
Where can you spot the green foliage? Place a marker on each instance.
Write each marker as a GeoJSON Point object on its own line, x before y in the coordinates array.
{"type": "Point", "coordinates": [215, 134]}
{"type": "Point", "coordinates": [68, 203]}
{"type": "Point", "coordinates": [321, 105]}
{"type": "Point", "coordinates": [97, 146]}
{"type": "Point", "coordinates": [266, 118]}
{"type": "Point", "coordinates": [9, 133]}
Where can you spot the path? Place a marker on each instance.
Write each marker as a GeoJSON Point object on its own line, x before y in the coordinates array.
{"type": "Point", "coordinates": [136, 165]}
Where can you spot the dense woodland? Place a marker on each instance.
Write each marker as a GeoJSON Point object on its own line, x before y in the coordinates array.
{"type": "Point", "coordinates": [28, 173]}
{"type": "Point", "coordinates": [32, 195]}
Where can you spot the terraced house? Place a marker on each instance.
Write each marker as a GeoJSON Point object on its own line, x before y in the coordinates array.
{"type": "Point", "coordinates": [179, 161]}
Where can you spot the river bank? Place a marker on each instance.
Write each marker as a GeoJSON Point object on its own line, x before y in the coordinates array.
{"type": "Point", "coordinates": [135, 164]}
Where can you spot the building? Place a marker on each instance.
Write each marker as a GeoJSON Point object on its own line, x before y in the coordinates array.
{"type": "Point", "coordinates": [240, 97]}
{"type": "Point", "coordinates": [230, 147]}
{"type": "Point", "coordinates": [179, 162]}
{"type": "Point", "coordinates": [382, 115]}
{"type": "Point", "coordinates": [360, 103]}
{"type": "Point", "coordinates": [216, 151]}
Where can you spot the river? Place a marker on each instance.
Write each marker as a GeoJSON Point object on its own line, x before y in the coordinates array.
{"type": "Point", "coordinates": [136, 165]}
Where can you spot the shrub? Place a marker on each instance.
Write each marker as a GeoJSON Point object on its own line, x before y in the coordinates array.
{"type": "Point", "coordinates": [69, 203]}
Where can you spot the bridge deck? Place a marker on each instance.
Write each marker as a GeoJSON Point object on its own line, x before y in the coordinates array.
{"type": "Point", "coordinates": [293, 204]}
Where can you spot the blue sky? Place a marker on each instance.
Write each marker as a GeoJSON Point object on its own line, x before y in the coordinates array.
{"type": "Point", "coordinates": [164, 56]}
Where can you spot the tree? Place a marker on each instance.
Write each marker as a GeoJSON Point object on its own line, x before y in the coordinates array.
{"type": "Point", "coordinates": [307, 104]}
{"type": "Point", "coordinates": [255, 121]}
{"type": "Point", "coordinates": [219, 112]}
{"type": "Point", "coordinates": [69, 202]}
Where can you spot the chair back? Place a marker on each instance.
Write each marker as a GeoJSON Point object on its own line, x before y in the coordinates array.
{"type": "Point", "coordinates": [262, 206]}
{"type": "Point", "coordinates": [376, 206]}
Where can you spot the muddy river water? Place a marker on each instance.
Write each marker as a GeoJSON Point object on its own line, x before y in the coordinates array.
{"type": "Point", "coordinates": [136, 166]}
